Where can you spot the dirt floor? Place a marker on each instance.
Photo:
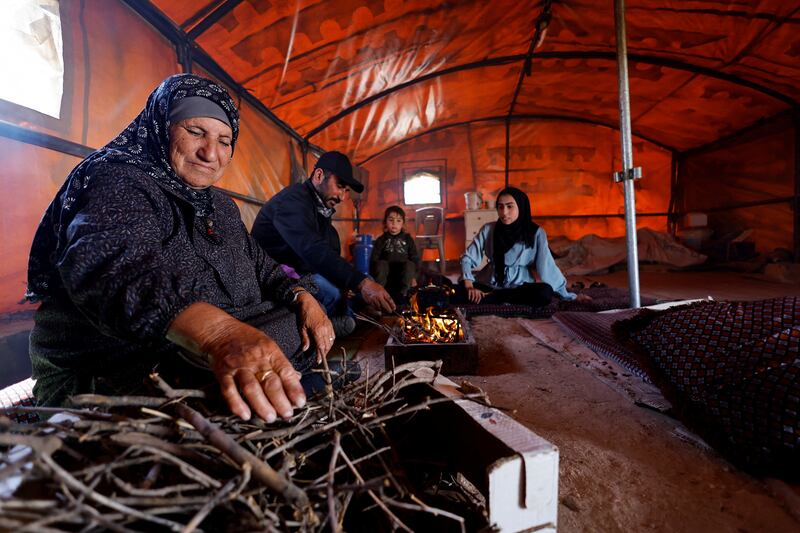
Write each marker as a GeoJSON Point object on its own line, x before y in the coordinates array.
{"type": "Point", "coordinates": [622, 467]}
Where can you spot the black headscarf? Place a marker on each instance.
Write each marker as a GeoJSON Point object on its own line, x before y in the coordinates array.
{"type": "Point", "coordinates": [507, 235]}
{"type": "Point", "coordinates": [142, 146]}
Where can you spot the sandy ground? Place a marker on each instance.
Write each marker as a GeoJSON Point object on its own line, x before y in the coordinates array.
{"type": "Point", "coordinates": [622, 467]}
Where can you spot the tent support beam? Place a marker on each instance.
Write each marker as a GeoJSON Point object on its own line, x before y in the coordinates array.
{"type": "Point", "coordinates": [674, 193]}
{"type": "Point", "coordinates": [540, 28]}
{"type": "Point", "coordinates": [508, 147]}
{"type": "Point", "coordinates": [192, 21]}
{"type": "Point", "coordinates": [205, 23]}
{"type": "Point", "coordinates": [744, 205]}
{"type": "Point", "coordinates": [45, 140]}
{"type": "Point", "coordinates": [505, 60]}
{"type": "Point", "coordinates": [677, 65]}
{"type": "Point", "coordinates": [796, 203]}
{"type": "Point", "coordinates": [177, 37]}
{"type": "Point", "coordinates": [184, 57]}
{"type": "Point", "coordinates": [563, 118]}
{"type": "Point", "coordinates": [722, 141]}
{"type": "Point", "coordinates": [628, 171]}
{"type": "Point", "coordinates": [492, 62]}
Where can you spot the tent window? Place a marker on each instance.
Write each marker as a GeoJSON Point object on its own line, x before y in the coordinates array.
{"type": "Point", "coordinates": [32, 67]}
{"type": "Point", "coordinates": [422, 187]}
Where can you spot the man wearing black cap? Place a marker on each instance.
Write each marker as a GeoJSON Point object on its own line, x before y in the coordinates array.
{"type": "Point", "coordinates": [295, 229]}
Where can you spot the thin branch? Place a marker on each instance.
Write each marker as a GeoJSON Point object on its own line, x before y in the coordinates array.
{"type": "Point", "coordinates": [209, 505]}
{"type": "Point", "coordinates": [397, 522]}
{"type": "Point", "coordinates": [333, 518]}
{"type": "Point", "coordinates": [225, 443]}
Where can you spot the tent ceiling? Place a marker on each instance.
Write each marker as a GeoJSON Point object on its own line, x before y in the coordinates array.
{"type": "Point", "coordinates": [363, 76]}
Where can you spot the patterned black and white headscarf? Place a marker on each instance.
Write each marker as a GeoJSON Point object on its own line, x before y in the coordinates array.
{"type": "Point", "coordinates": [143, 145]}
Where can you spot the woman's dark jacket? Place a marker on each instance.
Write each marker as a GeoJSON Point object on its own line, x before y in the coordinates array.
{"type": "Point", "coordinates": [136, 257]}
{"type": "Point", "coordinates": [126, 245]}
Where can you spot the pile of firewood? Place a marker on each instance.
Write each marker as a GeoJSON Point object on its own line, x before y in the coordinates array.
{"type": "Point", "coordinates": [170, 461]}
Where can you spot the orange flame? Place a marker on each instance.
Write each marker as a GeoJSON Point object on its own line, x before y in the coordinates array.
{"type": "Point", "coordinates": [431, 326]}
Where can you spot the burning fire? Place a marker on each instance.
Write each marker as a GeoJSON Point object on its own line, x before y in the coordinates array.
{"type": "Point", "coordinates": [434, 325]}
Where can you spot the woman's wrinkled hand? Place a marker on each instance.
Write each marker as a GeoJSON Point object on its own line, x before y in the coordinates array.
{"type": "Point", "coordinates": [252, 370]}
{"type": "Point", "coordinates": [313, 323]}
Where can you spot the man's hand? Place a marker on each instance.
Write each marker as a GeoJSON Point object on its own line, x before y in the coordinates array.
{"type": "Point", "coordinates": [376, 296]}
{"type": "Point", "coordinates": [251, 368]}
{"type": "Point", "coordinates": [313, 323]}
{"type": "Point", "coordinates": [581, 297]}
{"type": "Point", "coordinates": [474, 295]}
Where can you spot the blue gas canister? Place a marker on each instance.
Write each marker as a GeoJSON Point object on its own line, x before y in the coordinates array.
{"type": "Point", "coordinates": [361, 252]}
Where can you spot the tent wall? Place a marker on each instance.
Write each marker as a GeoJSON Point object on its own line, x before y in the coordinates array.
{"type": "Point", "coordinates": [565, 167]}
{"type": "Point", "coordinates": [100, 99]}
{"type": "Point", "coordinates": [262, 164]}
{"type": "Point", "coordinates": [30, 175]}
{"type": "Point", "coordinates": [746, 182]}
{"type": "Point", "coordinates": [113, 60]}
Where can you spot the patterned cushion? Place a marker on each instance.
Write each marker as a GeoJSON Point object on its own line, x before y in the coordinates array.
{"type": "Point", "coordinates": [595, 330]}
{"type": "Point", "coordinates": [733, 371]}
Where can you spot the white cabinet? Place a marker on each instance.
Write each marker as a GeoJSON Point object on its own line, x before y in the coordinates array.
{"type": "Point", "coordinates": [474, 221]}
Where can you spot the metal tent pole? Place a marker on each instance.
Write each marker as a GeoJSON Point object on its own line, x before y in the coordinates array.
{"type": "Point", "coordinates": [628, 173]}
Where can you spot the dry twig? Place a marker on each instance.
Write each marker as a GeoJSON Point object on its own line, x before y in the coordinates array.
{"type": "Point", "coordinates": [125, 463]}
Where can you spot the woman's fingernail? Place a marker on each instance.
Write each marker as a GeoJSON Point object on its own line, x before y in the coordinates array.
{"type": "Point", "coordinates": [271, 418]}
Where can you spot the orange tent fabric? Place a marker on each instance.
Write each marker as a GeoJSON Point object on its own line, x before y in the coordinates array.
{"type": "Point", "coordinates": [718, 66]}
{"type": "Point", "coordinates": [373, 78]}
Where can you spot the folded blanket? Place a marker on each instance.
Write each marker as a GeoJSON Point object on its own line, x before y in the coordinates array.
{"type": "Point", "coordinates": [732, 372]}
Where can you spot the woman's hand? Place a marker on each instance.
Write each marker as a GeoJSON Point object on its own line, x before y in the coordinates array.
{"type": "Point", "coordinates": [581, 297]}
{"type": "Point", "coordinates": [312, 322]}
{"type": "Point", "coordinates": [251, 368]}
{"type": "Point", "coordinates": [474, 295]}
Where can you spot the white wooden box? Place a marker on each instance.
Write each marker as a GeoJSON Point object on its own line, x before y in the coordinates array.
{"type": "Point", "coordinates": [513, 468]}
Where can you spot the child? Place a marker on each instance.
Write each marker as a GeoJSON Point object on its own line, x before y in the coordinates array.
{"type": "Point", "coordinates": [395, 251]}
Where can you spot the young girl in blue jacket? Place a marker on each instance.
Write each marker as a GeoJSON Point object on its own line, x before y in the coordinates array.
{"type": "Point", "coordinates": [514, 246]}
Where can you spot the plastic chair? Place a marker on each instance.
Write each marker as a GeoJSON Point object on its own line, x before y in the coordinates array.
{"type": "Point", "coordinates": [429, 229]}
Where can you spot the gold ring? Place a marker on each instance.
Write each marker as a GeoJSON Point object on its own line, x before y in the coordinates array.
{"type": "Point", "coordinates": [263, 375]}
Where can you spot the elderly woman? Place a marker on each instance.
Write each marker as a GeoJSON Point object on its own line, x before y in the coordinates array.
{"type": "Point", "coordinates": [515, 246]}
{"type": "Point", "coordinates": [137, 257]}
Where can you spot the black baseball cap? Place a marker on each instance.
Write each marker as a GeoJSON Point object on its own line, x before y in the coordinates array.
{"type": "Point", "coordinates": [339, 164]}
